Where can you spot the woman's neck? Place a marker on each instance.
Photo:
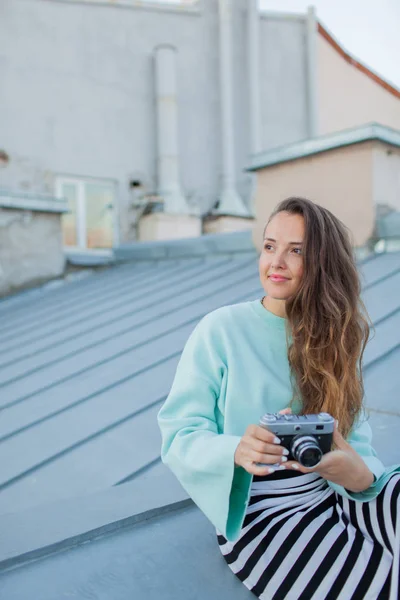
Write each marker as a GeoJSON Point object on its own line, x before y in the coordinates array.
{"type": "Point", "coordinates": [277, 307]}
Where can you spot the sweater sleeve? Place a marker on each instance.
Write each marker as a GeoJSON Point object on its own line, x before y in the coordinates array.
{"type": "Point", "coordinates": [360, 439]}
{"type": "Point", "coordinates": [199, 454]}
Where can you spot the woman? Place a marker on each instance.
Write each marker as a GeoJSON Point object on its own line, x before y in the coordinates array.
{"type": "Point", "coordinates": [286, 531]}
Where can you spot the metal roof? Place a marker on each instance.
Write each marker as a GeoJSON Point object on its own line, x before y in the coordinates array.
{"type": "Point", "coordinates": [324, 143]}
{"type": "Point", "coordinates": [174, 555]}
{"type": "Point", "coordinates": [84, 368]}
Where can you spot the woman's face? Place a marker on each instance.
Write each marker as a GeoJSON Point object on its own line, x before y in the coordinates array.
{"type": "Point", "coordinates": [281, 260]}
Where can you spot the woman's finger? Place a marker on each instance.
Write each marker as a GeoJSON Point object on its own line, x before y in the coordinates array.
{"type": "Point", "coordinates": [268, 459]}
{"type": "Point", "coordinates": [338, 439]}
{"type": "Point", "coordinates": [260, 433]}
{"type": "Point", "coordinates": [255, 469]}
{"type": "Point", "coordinates": [267, 448]}
{"type": "Point", "coordinates": [295, 466]}
{"type": "Point", "coordinates": [285, 411]}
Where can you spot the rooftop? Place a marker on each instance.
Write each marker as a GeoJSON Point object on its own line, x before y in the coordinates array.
{"type": "Point", "coordinates": [84, 368]}
{"type": "Point", "coordinates": [324, 143]}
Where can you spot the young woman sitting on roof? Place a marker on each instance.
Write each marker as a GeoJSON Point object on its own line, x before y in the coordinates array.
{"type": "Point", "coordinates": [287, 531]}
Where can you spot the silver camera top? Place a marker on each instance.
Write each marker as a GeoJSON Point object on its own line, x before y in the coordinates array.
{"type": "Point", "coordinates": [298, 424]}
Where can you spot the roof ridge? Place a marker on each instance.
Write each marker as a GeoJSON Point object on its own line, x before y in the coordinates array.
{"type": "Point", "coordinates": [389, 87]}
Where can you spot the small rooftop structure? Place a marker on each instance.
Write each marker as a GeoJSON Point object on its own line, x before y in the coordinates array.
{"type": "Point", "coordinates": [325, 143]}
{"type": "Point", "coordinates": [353, 173]}
{"type": "Point", "coordinates": [30, 238]}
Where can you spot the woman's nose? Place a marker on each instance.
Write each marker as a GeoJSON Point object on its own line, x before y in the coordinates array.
{"type": "Point", "coordinates": [278, 262]}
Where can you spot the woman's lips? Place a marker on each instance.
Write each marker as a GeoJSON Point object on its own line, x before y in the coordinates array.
{"type": "Point", "coordinates": [277, 279]}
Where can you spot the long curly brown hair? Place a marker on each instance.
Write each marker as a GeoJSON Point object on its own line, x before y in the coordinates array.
{"type": "Point", "coordinates": [326, 318]}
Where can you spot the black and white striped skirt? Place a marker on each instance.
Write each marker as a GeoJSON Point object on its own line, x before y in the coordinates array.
{"type": "Point", "coordinates": [302, 541]}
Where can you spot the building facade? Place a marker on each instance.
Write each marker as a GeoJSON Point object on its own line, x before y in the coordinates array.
{"type": "Point", "coordinates": [143, 117]}
{"type": "Point", "coordinates": [86, 114]}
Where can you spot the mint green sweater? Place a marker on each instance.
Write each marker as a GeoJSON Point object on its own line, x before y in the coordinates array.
{"type": "Point", "coordinates": [233, 369]}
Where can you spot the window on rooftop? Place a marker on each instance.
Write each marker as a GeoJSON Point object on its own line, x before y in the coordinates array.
{"type": "Point", "coordinates": [90, 220]}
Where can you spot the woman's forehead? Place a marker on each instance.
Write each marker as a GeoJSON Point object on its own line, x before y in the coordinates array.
{"type": "Point", "coordinates": [285, 226]}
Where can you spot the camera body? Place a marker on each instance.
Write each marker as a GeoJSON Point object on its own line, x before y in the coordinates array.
{"type": "Point", "coordinates": [307, 437]}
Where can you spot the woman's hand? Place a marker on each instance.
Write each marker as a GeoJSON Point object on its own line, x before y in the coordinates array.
{"type": "Point", "coordinates": [343, 466]}
{"type": "Point", "coordinates": [258, 445]}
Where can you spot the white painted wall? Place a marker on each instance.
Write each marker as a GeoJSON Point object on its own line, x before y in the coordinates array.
{"type": "Point", "coordinates": [77, 94]}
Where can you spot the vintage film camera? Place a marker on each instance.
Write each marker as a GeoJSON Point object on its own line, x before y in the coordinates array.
{"type": "Point", "coordinates": [307, 437]}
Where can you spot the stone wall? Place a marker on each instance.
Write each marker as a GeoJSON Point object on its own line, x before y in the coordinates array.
{"type": "Point", "coordinates": [31, 249]}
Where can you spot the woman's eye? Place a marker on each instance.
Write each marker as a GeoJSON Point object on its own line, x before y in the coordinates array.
{"type": "Point", "coordinates": [267, 246]}
{"type": "Point", "coordinates": [297, 250]}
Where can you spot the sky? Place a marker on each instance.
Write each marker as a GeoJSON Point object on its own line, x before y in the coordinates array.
{"type": "Point", "coordinates": [368, 29]}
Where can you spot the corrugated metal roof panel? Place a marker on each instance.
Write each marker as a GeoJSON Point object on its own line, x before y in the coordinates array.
{"type": "Point", "coordinates": [83, 371]}
{"type": "Point", "coordinates": [79, 404]}
{"type": "Point", "coordinates": [169, 557]}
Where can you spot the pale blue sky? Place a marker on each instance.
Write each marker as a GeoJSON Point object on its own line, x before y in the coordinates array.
{"type": "Point", "coordinates": [368, 29]}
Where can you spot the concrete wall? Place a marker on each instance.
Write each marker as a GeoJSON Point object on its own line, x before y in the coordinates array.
{"type": "Point", "coordinates": [386, 161]}
{"type": "Point", "coordinates": [284, 112]}
{"type": "Point", "coordinates": [161, 226]}
{"type": "Point", "coordinates": [341, 180]}
{"type": "Point", "coordinates": [386, 190]}
{"type": "Point", "coordinates": [348, 97]}
{"type": "Point", "coordinates": [78, 93]}
{"type": "Point", "coordinates": [226, 224]}
{"type": "Point", "coordinates": [31, 248]}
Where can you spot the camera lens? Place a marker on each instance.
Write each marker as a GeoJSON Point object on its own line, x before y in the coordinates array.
{"type": "Point", "coordinates": [310, 457]}
{"type": "Point", "coordinates": [306, 451]}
